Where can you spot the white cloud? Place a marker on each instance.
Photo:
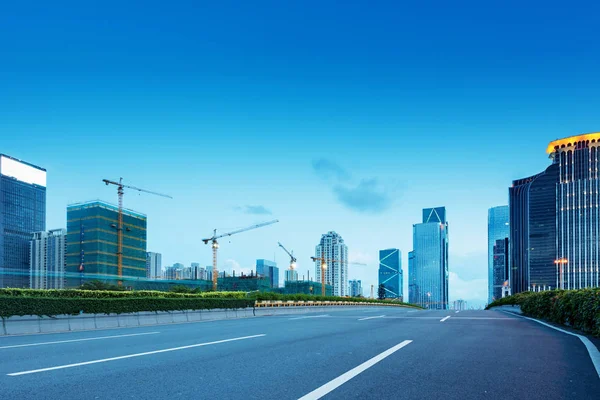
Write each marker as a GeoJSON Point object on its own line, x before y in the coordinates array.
{"type": "Point", "coordinates": [473, 291]}
{"type": "Point", "coordinates": [231, 265]}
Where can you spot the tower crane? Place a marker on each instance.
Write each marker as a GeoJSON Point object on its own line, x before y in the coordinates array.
{"type": "Point", "coordinates": [324, 262]}
{"type": "Point", "coordinates": [215, 245]}
{"type": "Point", "coordinates": [120, 191]}
{"type": "Point", "coordinates": [292, 258]}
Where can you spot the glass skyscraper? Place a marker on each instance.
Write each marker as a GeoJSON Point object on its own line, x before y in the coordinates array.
{"type": "Point", "coordinates": [268, 269]}
{"type": "Point", "coordinates": [428, 262]}
{"type": "Point", "coordinates": [498, 228]}
{"type": "Point", "coordinates": [22, 212]}
{"type": "Point", "coordinates": [390, 273]}
{"type": "Point", "coordinates": [92, 243]}
{"type": "Point", "coordinates": [577, 248]}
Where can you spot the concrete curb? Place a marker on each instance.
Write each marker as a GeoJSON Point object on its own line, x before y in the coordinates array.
{"type": "Point", "coordinates": [32, 324]}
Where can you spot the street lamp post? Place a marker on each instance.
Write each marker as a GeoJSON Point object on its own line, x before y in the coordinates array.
{"type": "Point", "coordinates": [559, 263]}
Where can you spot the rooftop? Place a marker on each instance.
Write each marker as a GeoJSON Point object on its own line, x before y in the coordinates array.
{"type": "Point", "coordinates": [571, 140]}
{"type": "Point", "coordinates": [104, 204]}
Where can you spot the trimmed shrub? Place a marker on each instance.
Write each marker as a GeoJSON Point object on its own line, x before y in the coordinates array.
{"type": "Point", "coordinates": [577, 308]}
{"type": "Point", "coordinates": [21, 305]}
{"type": "Point", "coordinates": [102, 294]}
{"type": "Point", "coordinates": [261, 296]}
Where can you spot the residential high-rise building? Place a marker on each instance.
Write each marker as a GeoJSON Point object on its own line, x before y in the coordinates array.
{"type": "Point", "coordinates": [500, 271]}
{"type": "Point", "coordinates": [577, 216]}
{"type": "Point", "coordinates": [291, 275]}
{"type": "Point", "coordinates": [355, 288]}
{"type": "Point", "coordinates": [22, 212]}
{"type": "Point", "coordinates": [428, 263]}
{"type": "Point", "coordinates": [498, 228]}
{"type": "Point", "coordinates": [460, 305]}
{"type": "Point", "coordinates": [332, 249]}
{"type": "Point", "coordinates": [532, 239]}
{"type": "Point", "coordinates": [47, 259]}
{"type": "Point", "coordinates": [153, 265]}
{"type": "Point", "coordinates": [390, 273]}
{"type": "Point", "coordinates": [268, 269]}
{"type": "Point", "coordinates": [92, 242]}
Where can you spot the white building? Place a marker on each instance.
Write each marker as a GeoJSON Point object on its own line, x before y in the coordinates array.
{"type": "Point", "coordinates": [153, 265]}
{"type": "Point", "coordinates": [47, 259]}
{"type": "Point", "coordinates": [291, 275]}
{"type": "Point", "coordinates": [334, 252]}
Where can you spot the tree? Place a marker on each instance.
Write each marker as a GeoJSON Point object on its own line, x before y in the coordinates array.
{"type": "Point", "coordinates": [98, 285]}
{"type": "Point", "coordinates": [381, 292]}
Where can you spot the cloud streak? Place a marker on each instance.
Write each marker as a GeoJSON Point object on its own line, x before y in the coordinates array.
{"type": "Point", "coordinates": [364, 196]}
{"type": "Point", "coordinates": [254, 210]}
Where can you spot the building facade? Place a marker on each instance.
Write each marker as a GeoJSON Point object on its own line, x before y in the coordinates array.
{"type": "Point", "coordinates": [390, 273]}
{"type": "Point", "coordinates": [291, 275]}
{"type": "Point", "coordinates": [498, 228]}
{"type": "Point", "coordinates": [355, 288]}
{"type": "Point", "coordinates": [577, 246]}
{"type": "Point", "coordinates": [154, 265]}
{"type": "Point", "coordinates": [268, 269]}
{"type": "Point", "coordinates": [47, 259]}
{"type": "Point", "coordinates": [22, 212]}
{"type": "Point", "coordinates": [92, 243]}
{"type": "Point", "coordinates": [500, 269]}
{"type": "Point", "coordinates": [334, 251]}
{"type": "Point", "coordinates": [532, 239]}
{"type": "Point", "coordinates": [428, 263]}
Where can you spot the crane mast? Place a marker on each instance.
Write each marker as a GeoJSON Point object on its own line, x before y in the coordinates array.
{"type": "Point", "coordinates": [120, 192]}
{"type": "Point", "coordinates": [215, 246]}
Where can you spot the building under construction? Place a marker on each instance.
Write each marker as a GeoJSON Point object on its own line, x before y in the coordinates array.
{"type": "Point", "coordinates": [245, 283]}
{"type": "Point", "coordinates": [306, 287]}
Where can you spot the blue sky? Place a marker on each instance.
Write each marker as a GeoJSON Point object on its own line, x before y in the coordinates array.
{"type": "Point", "coordinates": [347, 117]}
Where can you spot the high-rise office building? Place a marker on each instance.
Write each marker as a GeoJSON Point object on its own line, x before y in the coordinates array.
{"type": "Point", "coordinates": [22, 212]}
{"type": "Point", "coordinates": [498, 228]}
{"type": "Point", "coordinates": [92, 242]}
{"type": "Point", "coordinates": [355, 288]}
{"type": "Point", "coordinates": [332, 249]}
{"type": "Point", "coordinates": [428, 263]}
{"type": "Point", "coordinates": [268, 269]}
{"type": "Point", "coordinates": [532, 239]}
{"type": "Point", "coordinates": [47, 259]}
{"type": "Point", "coordinates": [170, 272]}
{"type": "Point", "coordinates": [500, 271]}
{"type": "Point", "coordinates": [577, 247]}
{"type": "Point", "coordinates": [291, 275]}
{"type": "Point", "coordinates": [390, 273]}
{"type": "Point", "coordinates": [153, 265]}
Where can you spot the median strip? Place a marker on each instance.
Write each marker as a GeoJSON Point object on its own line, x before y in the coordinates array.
{"type": "Point", "coordinates": [35, 371]}
{"type": "Point", "coordinates": [340, 380]}
{"type": "Point", "coordinates": [78, 340]}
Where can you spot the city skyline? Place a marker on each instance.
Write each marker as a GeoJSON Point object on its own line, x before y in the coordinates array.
{"type": "Point", "coordinates": [356, 123]}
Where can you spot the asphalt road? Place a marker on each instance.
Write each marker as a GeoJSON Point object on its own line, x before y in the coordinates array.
{"type": "Point", "coordinates": [359, 353]}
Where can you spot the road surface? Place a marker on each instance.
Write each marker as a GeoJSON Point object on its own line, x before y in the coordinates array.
{"type": "Point", "coordinates": [358, 353]}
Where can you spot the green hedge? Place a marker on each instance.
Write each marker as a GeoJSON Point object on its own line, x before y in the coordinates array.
{"type": "Point", "coordinates": [577, 308]}
{"type": "Point", "coordinates": [21, 305]}
{"type": "Point", "coordinates": [103, 294]}
{"type": "Point", "coordinates": [260, 296]}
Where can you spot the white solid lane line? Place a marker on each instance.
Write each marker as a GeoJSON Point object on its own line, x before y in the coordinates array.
{"type": "Point", "coordinates": [309, 316]}
{"type": "Point", "coordinates": [445, 318]}
{"type": "Point", "coordinates": [78, 340]}
{"type": "Point", "coordinates": [340, 380]}
{"type": "Point", "coordinates": [378, 316]}
{"type": "Point", "coordinates": [35, 371]}
{"type": "Point", "coordinates": [592, 350]}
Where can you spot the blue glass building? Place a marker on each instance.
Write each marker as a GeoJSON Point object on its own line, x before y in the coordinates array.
{"type": "Point", "coordinates": [428, 262]}
{"type": "Point", "coordinates": [268, 269]}
{"type": "Point", "coordinates": [498, 228]}
{"type": "Point", "coordinates": [390, 273]}
{"type": "Point", "coordinates": [22, 212]}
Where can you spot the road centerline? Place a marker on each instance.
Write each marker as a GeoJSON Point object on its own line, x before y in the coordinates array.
{"type": "Point", "coordinates": [444, 319]}
{"type": "Point", "coordinates": [340, 380]}
{"type": "Point", "coordinates": [147, 353]}
{"type": "Point", "coordinates": [76, 340]}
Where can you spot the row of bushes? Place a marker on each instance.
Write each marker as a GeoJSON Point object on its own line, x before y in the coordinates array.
{"type": "Point", "coordinates": [309, 297]}
{"type": "Point", "coordinates": [21, 305]}
{"type": "Point", "coordinates": [577, 308]}
{"type": "Point", "coordinates": [104, 294]}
